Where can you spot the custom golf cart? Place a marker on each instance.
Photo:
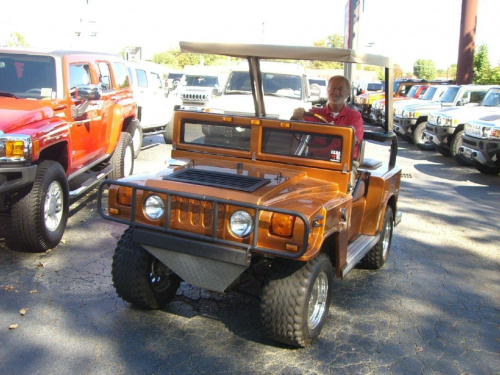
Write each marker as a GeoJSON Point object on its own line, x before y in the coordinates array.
{"type": "Point", "coordinates": [249, 197]}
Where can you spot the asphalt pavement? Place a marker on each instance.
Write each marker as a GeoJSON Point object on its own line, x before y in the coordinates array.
{"type": "Point", "coordinates": [433, 309]}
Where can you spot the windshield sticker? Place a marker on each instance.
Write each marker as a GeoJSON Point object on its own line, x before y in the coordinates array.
{"type": "Point", "coordinates": [335, 156]}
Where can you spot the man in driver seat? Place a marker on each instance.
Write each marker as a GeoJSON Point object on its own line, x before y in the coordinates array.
{"type": "Point", "coordinates": [336, 112]}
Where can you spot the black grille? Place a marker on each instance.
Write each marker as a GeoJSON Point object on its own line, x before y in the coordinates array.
{"type": "Point", "coordinates": [218, 179]}
{"type": "Point", "coordinates": [469, 142]}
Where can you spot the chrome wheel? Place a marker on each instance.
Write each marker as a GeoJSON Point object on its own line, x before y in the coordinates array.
{"type": "Point", "coordinates": [159, 276]}
{"type": "Point", "coordinates": [318, 300]}
{"type": "Point", "coordinates": [386, 241]}
{"type": "Point", "coordinates": [53, 207]}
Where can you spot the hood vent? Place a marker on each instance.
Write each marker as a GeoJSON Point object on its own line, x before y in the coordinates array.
{"type": "Point", "coordinates": [218, 179]}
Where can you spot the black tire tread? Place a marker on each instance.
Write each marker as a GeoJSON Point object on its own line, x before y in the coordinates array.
{"type": "Point", "coordinates": [117, 159]}
{"type": "Point", "coordinates": [283, 298]}
{"type": "Point", "coordinates": [129, 270]}
{"type": "Point", "coordinates": [374, 259]}
{"type": "Point", "coordinates": [27, 228]}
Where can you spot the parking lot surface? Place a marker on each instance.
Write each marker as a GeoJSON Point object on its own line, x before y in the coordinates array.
{"type": "Point", "coordinates": [433, 309]}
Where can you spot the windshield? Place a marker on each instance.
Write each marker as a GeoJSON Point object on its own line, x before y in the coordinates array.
{"type": "Point", "coordinates": [449, 95]}
{"type": "Point", "coordinates": [320, 82]}
{"type": "Point", "coordinates": [27, 76]}
{"type": "Point", "coordinates": [412, 91]}
{"type": "Point", "coordinates": [492, 98]}
{"type": "Point", "coordinates": [429, 93]}
{"type": "Point", "coordinates": [274, 141]}
{"type": "Point", "coordinates": [202, 81]}
{"type": "Point", "coordinates": [276, 84]}
{"type": "Point", "coordinates": [376, 86]}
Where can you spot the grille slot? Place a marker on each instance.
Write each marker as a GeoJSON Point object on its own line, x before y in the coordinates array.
{"type": "Point", "coordinates": [218, 179]}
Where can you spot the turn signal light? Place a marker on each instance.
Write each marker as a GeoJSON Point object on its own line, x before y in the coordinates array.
{"type": "Point", "coordinates": [124, 195]}
{"type": "Point", "coordinates": [282, 225]}
{"type": "Point", "coordinates": [14, 149]}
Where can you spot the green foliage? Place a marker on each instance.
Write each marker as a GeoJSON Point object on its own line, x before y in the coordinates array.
{"type": "Point", "coordinates": [16, 40]}
{"type": "Point", "coordinates": [331, 41]}
{"type": "Point", "coordinates": [482, 66]}
{"type": "Point", "coordinates": [495, 75]}
{"type": "Point", "coordinates": [397, 71]}
{"type": "Point", "coordinates": [176, 59]}
{"type": "Point", "coordinates": [424, 69]}
{"type": "Point", "coordinates": [452, 72]}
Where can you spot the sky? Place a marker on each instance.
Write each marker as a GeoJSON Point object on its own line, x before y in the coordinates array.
{"type": "Point", "coordinates": [405, 30]}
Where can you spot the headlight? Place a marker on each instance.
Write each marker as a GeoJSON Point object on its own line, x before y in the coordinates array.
{"type": "Point", "coordinates": [241, 223]}
{"type": "Point", "coordinates": [15, 147]}
{"type": "Point", "coordinates": [154, 207]}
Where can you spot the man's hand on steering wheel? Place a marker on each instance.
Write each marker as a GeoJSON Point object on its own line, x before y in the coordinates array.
{"type": "Point", "coordinates": [300, 113]}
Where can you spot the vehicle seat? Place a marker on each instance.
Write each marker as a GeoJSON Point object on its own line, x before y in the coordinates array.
{"type": "Point", "coordinates": [363, 162]}
{"type": "Point", "coordinates": [360, 187]}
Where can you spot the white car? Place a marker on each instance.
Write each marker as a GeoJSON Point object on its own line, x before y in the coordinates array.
{"type": "Point", "coordinates": [285, 88]}
{"type": "Point", "coordinates": [154, 110]}
{"type": "Point", "coordinates": [322, 83]}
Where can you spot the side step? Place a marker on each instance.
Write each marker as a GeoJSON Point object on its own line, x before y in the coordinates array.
{"type": "Point", "coordinates": [357, 250]}
{"type": "Point", "coordinates": [90, 182]}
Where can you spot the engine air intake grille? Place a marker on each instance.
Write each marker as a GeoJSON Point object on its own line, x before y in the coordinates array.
{"type": "Point", "coordinates": [218, 179]}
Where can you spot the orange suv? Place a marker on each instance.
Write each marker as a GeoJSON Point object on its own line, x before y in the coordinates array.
{"type": "Point", "coordinates": [66, 121]}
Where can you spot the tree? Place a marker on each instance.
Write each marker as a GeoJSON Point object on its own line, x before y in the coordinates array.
{"type": "Point", "coordinates": [495, 75]}
{"type": "Point", "coordinates": [176, 59]}
{"type": "Point", "coordinates": [481, 65]}
{"type": "Point", "coordinates": [331, 41]}
{"type": "Point", "coordinates": [16, 40]}
{"type": "Point", "coordinates": [397, 71]}
{"type": "Point", "coordinates": [424, 69]}
{"type": "Point", "coordinates": [452, 72]}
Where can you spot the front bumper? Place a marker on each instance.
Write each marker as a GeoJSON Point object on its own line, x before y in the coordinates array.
{"type": "Point", "coordinates": [14, 178]}
{"type": "Point", "coordinates": [439, 135]}
{"type": "Point", "coordinates": [484, 151]}
{"type": "Point", "coordinates": [403, 125]}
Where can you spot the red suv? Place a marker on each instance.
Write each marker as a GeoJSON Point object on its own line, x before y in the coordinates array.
{"type": "Point", "coordinates": [66, 121]}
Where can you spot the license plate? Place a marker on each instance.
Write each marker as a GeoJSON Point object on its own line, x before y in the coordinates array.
{"type": "Point", "coordinates": [467, 152]}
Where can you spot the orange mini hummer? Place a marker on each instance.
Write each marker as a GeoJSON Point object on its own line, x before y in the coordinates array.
{"type": "Point", "coordinates": [247, 197]}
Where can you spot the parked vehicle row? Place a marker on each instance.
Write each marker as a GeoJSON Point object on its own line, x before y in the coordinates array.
{"type": "Point", "coordinates": [462, 123]}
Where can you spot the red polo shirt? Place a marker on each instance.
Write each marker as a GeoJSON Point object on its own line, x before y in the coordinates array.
{"type": "Point", "coordinates": [346, 116]}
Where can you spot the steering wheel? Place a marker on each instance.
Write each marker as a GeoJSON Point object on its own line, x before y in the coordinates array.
{"type": "Point", "coordinates": [306, 138]}
{"type": "Point", "coordinates": [319, 117]}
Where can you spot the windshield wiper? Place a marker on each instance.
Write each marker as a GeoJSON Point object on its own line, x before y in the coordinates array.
{"type": "Point", "coordinates": [8, 94]}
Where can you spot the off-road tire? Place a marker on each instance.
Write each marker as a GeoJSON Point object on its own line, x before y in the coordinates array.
{"type": "Point", "coordinates": [139, 278]}
{"type": "Point", "coordinates": [445, 151]}
{"type": "Point", "coordinates": [408, 138]}
{"type": "Point", "coordinates": [377, 256]}
{"type": "Point", "coordinates": [287, 293]}
{"type": "Point", "coordinates": [418, 137]}
{"type": "Point", "coordinates": [168, 133]}
{"type": "Point", "coordinates": [455, 145]}
{"type": "Point", "coordinates": [38, 217]}
{"type": "Point", "coordinates": [485, 169]}
{"type": "Point", "coordinates": [122, 158]}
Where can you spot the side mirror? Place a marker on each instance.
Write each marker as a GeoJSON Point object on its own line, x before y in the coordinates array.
{"type": "Point", "coordinates": [88, 92]}
{"type": "Point", "coordinates": [314, 92]}
{"type": "Point", "coordinates": [460, 103]}
{"type": "Point", "coordinates": [84, 93]}
{"type": "Point", "coordinates": [216, 92]}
